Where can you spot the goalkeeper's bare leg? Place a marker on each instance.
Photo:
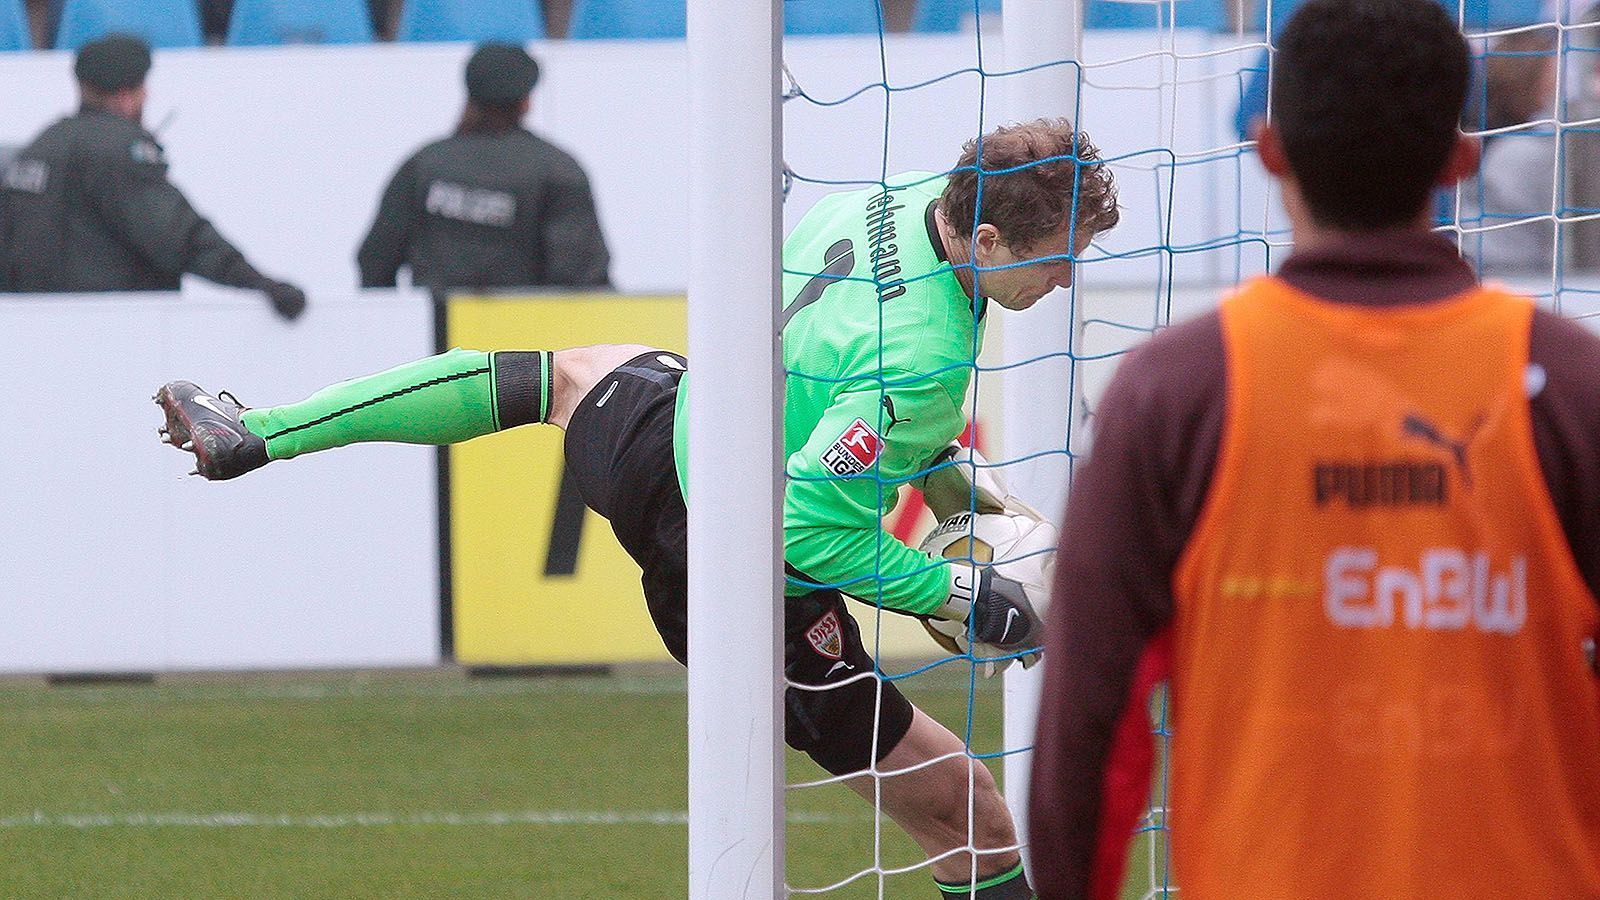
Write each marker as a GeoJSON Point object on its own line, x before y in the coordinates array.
{"type": "Point", "coordinates": [930, 803]}
{"type": "Point", "coordinates": [626, 473]}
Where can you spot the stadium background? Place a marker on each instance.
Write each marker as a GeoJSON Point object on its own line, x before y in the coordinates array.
{"type": "Point", "coordinates": [287, 150]}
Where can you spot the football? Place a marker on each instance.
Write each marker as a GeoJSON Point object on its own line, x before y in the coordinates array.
{"type": "Point", "coordinates": [975, 539]}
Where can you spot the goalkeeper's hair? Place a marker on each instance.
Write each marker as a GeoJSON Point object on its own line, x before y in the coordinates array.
{"type": "Point", "coordinates": [1033, 176]}
{"type": "Point", "coordinates": [1366, 97]}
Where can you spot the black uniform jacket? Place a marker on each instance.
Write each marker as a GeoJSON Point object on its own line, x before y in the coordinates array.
{"type": "Point", "coordinates": [88, 207]}
{"type": "Point", "coordinates": [488, 210]}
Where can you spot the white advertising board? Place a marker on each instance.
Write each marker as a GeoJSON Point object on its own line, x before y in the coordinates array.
{"type": "Point", "coordinates": [112, 559]}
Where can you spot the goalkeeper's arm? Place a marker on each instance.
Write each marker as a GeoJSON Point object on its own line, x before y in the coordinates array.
{"type": "Point", "coordinates": [846, 476]}
{"type": "Point", "coordinates": [960, 479]}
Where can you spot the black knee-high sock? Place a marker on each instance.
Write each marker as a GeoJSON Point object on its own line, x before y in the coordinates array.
{"type": "Point", "coordinates": [1009, 885]}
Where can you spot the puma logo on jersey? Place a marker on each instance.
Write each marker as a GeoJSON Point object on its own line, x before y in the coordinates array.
{"type": "Point", "coordinates": [1363, 485]}
{"type": "Point", "coordinates": [1420, 427]}
{"type": "Point", "coordinates": [888, 410]}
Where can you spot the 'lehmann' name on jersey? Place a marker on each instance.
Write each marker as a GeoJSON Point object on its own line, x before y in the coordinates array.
{"type": "Point", "coordinates": [881, 237]}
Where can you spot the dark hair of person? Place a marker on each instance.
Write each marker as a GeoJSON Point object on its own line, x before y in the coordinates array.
{"type": "Point", "coordinates": [1038, 198]}
{"type": "Point", "coordinates": [1366, 97]}
{"type": "Point", "coordinates": [489, 118]}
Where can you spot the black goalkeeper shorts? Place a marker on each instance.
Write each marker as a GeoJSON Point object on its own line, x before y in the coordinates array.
{"type": "Point", "coordinates": [620, 454]}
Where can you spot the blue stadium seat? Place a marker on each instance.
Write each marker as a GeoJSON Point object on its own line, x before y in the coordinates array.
{"type": "Point", "coordinates": [1479, 15]}
{"type": "Point", "coordinates": [830, 16]}
{"type": "Point", "coordinates": [603, 19]}
{"type": "Point", "coordinates": [1145, 14]}
{"type": "Point", "coordinates": [257, 23]}
{"type": "Point", "coordinates": [162, 23]}
{"type": "Point", "coordinates": [953, 15]}
{"type": "Point", "coordinates": [516, 21]}
{"type": "Point", "coordinates": [1483, 15]}
{"type": "Point", "coordinates": [14, 26]}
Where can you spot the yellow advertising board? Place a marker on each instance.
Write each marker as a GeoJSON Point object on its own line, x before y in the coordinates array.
{"type": "Point", "coordinates": [536, 578]}
{"type": "Point", "coordinates": [526, 591]}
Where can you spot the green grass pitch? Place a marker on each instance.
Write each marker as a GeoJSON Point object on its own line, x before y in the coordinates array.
{"type": "Point", "coordinates": [399, 785]}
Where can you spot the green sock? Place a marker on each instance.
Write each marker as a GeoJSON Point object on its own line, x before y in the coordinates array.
{"type": "Point", "coordinates": [442, 399]}
{"type": "Point", "coordinates": [1011, 884]}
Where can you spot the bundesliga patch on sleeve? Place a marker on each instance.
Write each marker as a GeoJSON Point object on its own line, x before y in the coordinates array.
{"type": "Point", "coordinates": [855, 451]}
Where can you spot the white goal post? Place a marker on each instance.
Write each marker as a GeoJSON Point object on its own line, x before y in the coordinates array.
{"type": "Point", "coordinates": [735, 461]}
{"type": "Point", "coordinates": [1037, 402]}
{"type": "Point", "coordinates": [735, 472]}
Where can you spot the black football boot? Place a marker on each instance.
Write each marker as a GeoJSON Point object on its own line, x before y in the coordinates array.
{"type": "Point", "coordinates": [208, 426]}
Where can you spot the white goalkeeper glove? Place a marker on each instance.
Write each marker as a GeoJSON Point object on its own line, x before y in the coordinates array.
{"type": "Point", "coordinates": [999, 583]}
{"type": "Point", "coordinates": [962, 480]}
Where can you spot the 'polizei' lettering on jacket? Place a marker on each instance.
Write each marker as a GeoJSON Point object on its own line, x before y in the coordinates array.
{"type": "Point", "coordinates": [468, 204]}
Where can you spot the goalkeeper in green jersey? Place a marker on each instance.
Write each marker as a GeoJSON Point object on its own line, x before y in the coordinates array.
{"type": "Point", "coordinates": [881, 329]}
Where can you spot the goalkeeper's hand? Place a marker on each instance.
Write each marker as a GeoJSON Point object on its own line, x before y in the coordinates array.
{"type": "Point", "coordinates": [993, 615]}
{"type": "Point", "coordinates": [991, 610]}
{"type": "Point", "coordinates": [962, 480]}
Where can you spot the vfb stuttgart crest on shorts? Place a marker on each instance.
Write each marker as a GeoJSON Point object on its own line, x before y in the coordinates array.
{"type": "Point", "coordinates": [826, 637]}
{"type": "Point", "coordinates": [855, 451]}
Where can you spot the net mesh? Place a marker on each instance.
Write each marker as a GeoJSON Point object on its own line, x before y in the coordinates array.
{"type": "Point", "coordinates": [1167, 90]}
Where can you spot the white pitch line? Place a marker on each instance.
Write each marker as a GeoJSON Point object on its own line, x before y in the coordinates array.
{"type": "Point", "coordinates": [39, 819]}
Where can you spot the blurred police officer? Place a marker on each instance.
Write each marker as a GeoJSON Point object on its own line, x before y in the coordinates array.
{"type": "Point", "coordinates": [492, 205]}
{"type": "Point", "coordinates": [88, 207]}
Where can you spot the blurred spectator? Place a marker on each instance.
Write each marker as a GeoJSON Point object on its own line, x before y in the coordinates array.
{"type": "Point", "coordinates": [493, 205]}
{"type": "Point", "coordinates": [1519, 77]}
{"type": "Point", "coordinates": [88, 207]}
{"type": "Point", "coordinates": [1583, 144]}
{"type": "Point", "coordinates": [214, 17]}
{"type": "Point", "coordinates": [1516, 180]}
{"type": "Point", "coordinates": [44, 17]}
{"type": "Point", "coordinates": [385, 18]}
{"type": "Point", "coordinates": [216, 14]}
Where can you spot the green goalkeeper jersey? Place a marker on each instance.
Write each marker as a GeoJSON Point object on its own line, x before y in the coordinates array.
{"type": "Point", "coordinates": [879, 341]}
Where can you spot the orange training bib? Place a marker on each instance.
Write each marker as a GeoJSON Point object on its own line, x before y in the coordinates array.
{"type": "Point", "coordinates": [1380, 685]}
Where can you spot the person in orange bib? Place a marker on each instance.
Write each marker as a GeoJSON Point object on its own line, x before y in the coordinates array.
{"type": "Point", "coordinates": [1353, 516]}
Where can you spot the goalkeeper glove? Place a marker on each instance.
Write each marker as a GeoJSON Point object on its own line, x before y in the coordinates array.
{"type": "Point", "coordinates": [992, 606]}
